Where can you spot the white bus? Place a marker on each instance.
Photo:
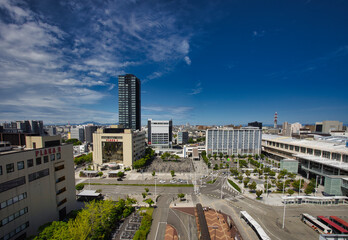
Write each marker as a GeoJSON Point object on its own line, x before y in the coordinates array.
{"type": "Point", "coordinates": [315, 224]}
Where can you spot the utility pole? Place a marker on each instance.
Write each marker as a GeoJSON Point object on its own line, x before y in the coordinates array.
{"type": "Point", "coordinates": [155, 192]}
{"type": "Point", "coordinates": [284, 214]}
{"type": "Point", "coordinates": [284, 185]}
{"type": "Point", "coordinates": [299, 187]}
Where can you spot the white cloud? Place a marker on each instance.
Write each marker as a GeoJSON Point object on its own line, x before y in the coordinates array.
{"type": "Point", "coordinates": [187, 60]}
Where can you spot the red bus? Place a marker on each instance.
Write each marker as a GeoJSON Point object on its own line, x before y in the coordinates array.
{"type": "Point", "coordinates": [332, 225]}
{"type": "Point", "coordinates": [339, 222]}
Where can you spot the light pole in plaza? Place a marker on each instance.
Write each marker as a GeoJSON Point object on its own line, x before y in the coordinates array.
{"type": "Point", "coordinates": [155, 191]}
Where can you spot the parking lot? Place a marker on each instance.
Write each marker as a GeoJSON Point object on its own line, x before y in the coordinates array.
{"type": "Point", "coordinates": [128, 227]}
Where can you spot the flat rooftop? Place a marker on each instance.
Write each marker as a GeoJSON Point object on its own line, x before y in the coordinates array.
{"type": "Point", "coordinates": [325, 161]}
{"type": "Point", "coordinates": [331, 145]}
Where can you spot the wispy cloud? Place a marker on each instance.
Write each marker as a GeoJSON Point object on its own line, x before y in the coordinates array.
{"type": "Point", "coordinates": [197, 90]}
{"type": "Point", "coordinates": [45, 64]}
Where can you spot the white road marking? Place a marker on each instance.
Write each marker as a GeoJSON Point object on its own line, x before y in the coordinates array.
{"type": "Point", "coordinates": [158, 227]}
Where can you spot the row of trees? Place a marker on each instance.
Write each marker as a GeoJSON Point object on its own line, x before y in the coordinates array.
{"type": "Point", "coordinates": [167, 156]}
{"type": "Point", "coordinates": [149, 155]}
{"type": "Point", "coordinates": [95, 221]}
{"type": "Point", "coordinates": [84, 159]}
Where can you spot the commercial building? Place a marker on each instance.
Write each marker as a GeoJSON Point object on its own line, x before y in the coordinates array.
{"type": "Point", "coordinates": [246, 140]}
{"type": "Point", "coordinates": [129, 102]}
{"type": "Point", "coordinates": [77, 133]}
{"type": "Point", "coordinates": [118, 145]}
{"type": "Point", "coordinates": [89, 130]}
{"type": "Point", "coordinates": [183, 137]}
{"type": "Point", "coordinates": [37, 185]}
{"type": "Point", "coordinates": [328, 126]}
{"type": "Point", "coordinates": [319, 158]}
{"type": "Point", "coordinates": [255, 124]}
{"type": "Point", "coordinates": [160, 133]}
{"type": "Point", "coordinates": [24, 126]}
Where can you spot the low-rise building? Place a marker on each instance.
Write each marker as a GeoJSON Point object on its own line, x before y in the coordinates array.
{"type": "Point", "coordinates": [289, 165]}
{"type": "Point", "coordinates": [37, 186]}
{"type": "Point", "coordinates": [118, 145]}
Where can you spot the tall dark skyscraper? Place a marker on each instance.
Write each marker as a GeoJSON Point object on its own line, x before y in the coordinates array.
{"type": "Point", "coordinates": [129, 103]}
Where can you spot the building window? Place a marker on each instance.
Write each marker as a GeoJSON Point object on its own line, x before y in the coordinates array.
{"type": "Point", "coordinates": [20, 165]}
{"type": "Point", "coordinates": [62, 202]}
{"type": "Point", "coordinates": [0, 170]}
{"type": "Point", "coordinates": [30, 163]}
{"type": "Point", "coordinates": [61, 179]}
{"type": "Point", "coordinates": [53, 157]}
{"type": "Point", "coordinates": [61, 190]}
{"type": "Point", "coordinates": [58, 156]}
{"type": "Point", "coordinates": [15, 231]}
{"type": "Point", "coordinates": [10, 168]}
{"type": "Point", "coordinates": [38, 161]}
{"type": "Point", "coordinates": [45, 159]}
{"type": "Point", "coordinates": [58, 168]}
{"type": "Point", "coordinates": [303, 150]}
{"type": "Point", "coordinates": [12, 184]}
{"type": "Point", "coordinates": [39, 174]}
{"type": "Point", "coordinates": [13, 216]}
{"type": "Point", "coordinates": [297, 149]}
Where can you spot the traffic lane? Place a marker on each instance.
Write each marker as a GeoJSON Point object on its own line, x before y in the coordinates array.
{"type": "Point", "coordinates": [128, 190]}
{"type": "Point", "coordinates": [124, 181]}
{"type": "Point", "coordinates": [160, 216]}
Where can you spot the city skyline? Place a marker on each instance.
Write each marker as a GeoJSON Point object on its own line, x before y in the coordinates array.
{"type": "Point", "coordinates": [198, 62]}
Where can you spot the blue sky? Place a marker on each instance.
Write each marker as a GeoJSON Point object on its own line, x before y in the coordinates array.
{"type": "Point", "coordinates": [202, 62]}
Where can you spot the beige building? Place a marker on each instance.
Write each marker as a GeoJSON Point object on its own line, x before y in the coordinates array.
{"type": "Point", "coordinates": [37, 185]}
{"type": "Point", "coordinates": [118, 145]}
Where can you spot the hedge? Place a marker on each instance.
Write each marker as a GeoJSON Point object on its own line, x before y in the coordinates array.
{"type": "Point", "coordinates": [234, 185]}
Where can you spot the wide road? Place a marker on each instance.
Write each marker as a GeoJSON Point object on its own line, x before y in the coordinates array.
{"type": "Point", "coordinates": [160, 216]}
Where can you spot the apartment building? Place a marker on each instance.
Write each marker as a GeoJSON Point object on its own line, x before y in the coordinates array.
{"type": "Point", "coordinates": [37, 185]}
{"type": "Point", "coordinates": [246, 140]}
{"type": "Point", "coordinates": [118, 145]}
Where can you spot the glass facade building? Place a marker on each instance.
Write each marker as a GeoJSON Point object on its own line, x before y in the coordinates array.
{"type": "Point", "coordinates": [129, 102]}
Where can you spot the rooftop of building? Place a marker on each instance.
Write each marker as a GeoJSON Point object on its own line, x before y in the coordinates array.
{"type": "Point", "coordinates": [325, 161]}
{"type": "Point", "coordinates": [333, 144]}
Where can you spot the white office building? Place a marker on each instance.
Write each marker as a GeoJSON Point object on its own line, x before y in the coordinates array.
{"type": "Point", "coordinates": [160, 133]}
{"type": "Point", "coordinates": [246, 140]}
{"type": "Point", "coordinates": [78, 133]}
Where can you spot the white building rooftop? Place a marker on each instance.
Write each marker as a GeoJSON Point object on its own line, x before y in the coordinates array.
{"type": "Point", "coordinates": [325, 161]}
{"type": "Point", "coordinates": [329, 144]}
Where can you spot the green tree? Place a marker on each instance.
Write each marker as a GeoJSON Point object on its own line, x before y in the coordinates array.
{"type": "Point", "coordinates": [172, 173]}
{"type": "Point", "coordinates": [214, 156]}
{"type": "Point", "coordinates": [258, 193]}
{"type": "Point", "coordinates": [309, 189]}
{"type": "Point", "coordinates": [130, 201]}
{"type": "Point", "coordinates": [280, 185]}
{"type": "Point", "coordinates": [221, 166]}
{"type": "Point", "coordinates": [246, 181]}
{"type": "Point", "coordinates": [272, 173]}
{"type": "Point", "coordinates": [147, 190]}
{"type": "Point", "coordinates": [221, 155]}
{"type": "Point", "coordinates": [153, 173]}
{"type": "Point", "coordinates": [247, 172]}
{"type": "Point", "coordinates": [209, 156]}
{"type": "Point", "coordinates": [80, 186]}
{"type": "Point", "coordinates": [176, 157]}
{"type": "Point", "coordinates": [240, 178]}
{"type": "Point", "coordinates": [149, 201]}
{"type": "Point", "coordinates": [296, 184]}
{"type": "Point", "coordinates": [290, 191]}
{"type": "Point", "coordinates": [252, 185]}
{"type": "Point", "coordinates": [216, 167]}
{"type": "Point", "coordinates": [181, 195]}
{"type": "Point", "coordinates": [120, 174]}
{"type": "Point", "coordinates": [234, 171]}
{"type": "Point", "coordinates": [144, 194]}
{"type": "Point", "coordinates": [100, 174]}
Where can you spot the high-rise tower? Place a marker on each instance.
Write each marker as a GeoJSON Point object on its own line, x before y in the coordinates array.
{"type": "Point", "coordinates": [129, 112]}
{"type": "Point", "coordinates": [275, 120]}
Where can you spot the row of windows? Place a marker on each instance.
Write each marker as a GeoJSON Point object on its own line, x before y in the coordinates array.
{"type": "Point", "coordinates": [39, 174]}
{"type": "Point", "coordinates": [58, 168]}
{"type": "Point", "coordinates": [61, 179]}
{"type": "Point", "coordinates": [319, 153]}
{"type": "Point", "coordinates": [15, 231]}
{"type": "Point", "coordinates": [12, 184]}
{"type": "Point", "coordinates": [12, 217]}
{"type": "Point", "coordinates": [13, 200]}
{"type": "Point", "coordinates": [30, 163]}
{"type": "Point", "coordinates": [61, 190]}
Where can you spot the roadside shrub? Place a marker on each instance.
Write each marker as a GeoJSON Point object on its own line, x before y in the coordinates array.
{"type": "Point", "coordinates": [234, 185]}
